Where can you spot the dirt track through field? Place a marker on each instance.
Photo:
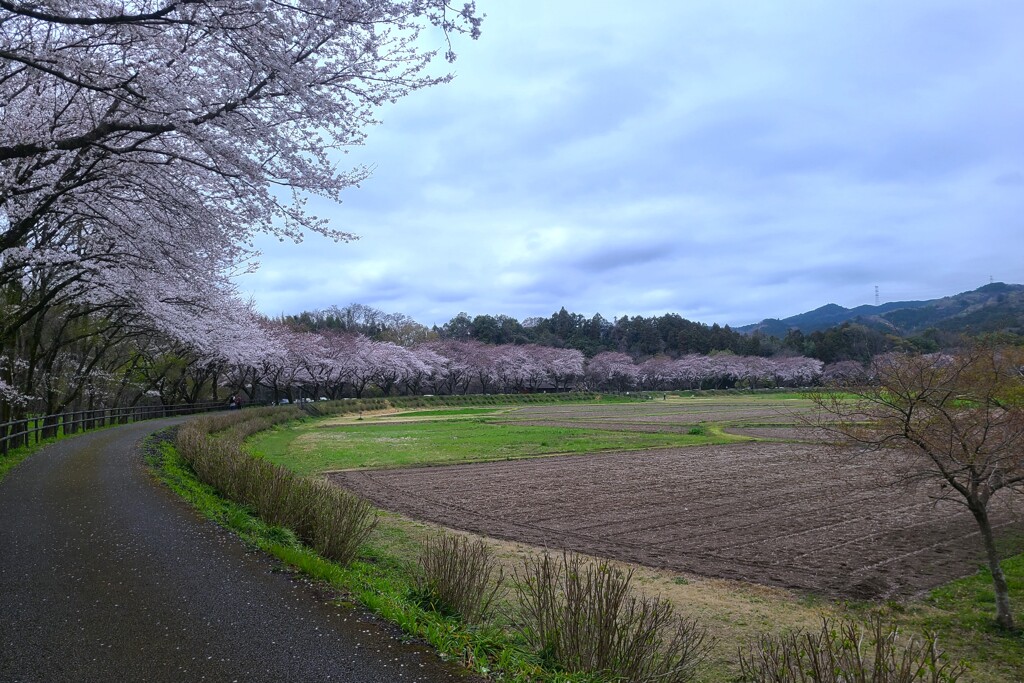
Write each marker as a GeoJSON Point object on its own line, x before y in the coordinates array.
{"type": "Point", "coordinates": [788, 515]}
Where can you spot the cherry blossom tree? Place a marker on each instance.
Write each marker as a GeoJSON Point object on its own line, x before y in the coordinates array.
{"type": "Point", "coordinates": [689, 371]}
{"type": "Point", "coordinates": [755, 370]}
{"type": "Point", "coordinates": [249, 95]}
{"type": "Point", "coordinates": [340, 356]}
{"type": "Point", "coordinates": [844, 372]}
{"type": "Point", "coordinates": [798, 371]}
{"type": "Point", "coordinates": [611, 370]}
{"type": "Point", "coordinates": [513, 367]}
{"type": "Point", "coordinates": [143, 143]}
{"type": "Point", "coordinates": [393, 365]}
{"type": "Point", "coordinates": [562, 366]}
{"type": "Point", "coordinates": [453, 370]}
{"type": "Point", "coordinates": [10, 395]}
{"type": "Point", "coordinates": [429, 365]}
{"type": "Point", "coordinates": [360, 364]}
{"type": "Point", "coordinates": [485, 361]}
{"type": "Point", "coordinates": [656, 372]}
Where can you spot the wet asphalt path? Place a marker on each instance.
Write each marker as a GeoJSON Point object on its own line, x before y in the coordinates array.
{"type": "Point", "coordinates": [106, 576]}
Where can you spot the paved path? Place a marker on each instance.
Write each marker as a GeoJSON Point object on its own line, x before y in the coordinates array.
{"type": "Point", "coordinates": [106, 576]}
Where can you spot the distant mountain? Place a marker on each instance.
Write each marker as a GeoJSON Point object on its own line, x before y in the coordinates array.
{"type": "Point", "coordinates": [825, 317]}
{"type": "Point", "coordinates": [992, 308]}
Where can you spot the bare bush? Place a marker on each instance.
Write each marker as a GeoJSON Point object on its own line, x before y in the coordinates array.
{"type": "Point", "coordinates": [584, 617]}
{"type": "Point", "coordinates": [847, 653]}
{"type": "Point", "coordinates": [275, 495]}
{"type": "Point", "coordinates": [340, 521]}
{"type": "Point", "coordinates": [215, 462]}
{"type": "Point", "coordinates": [331, 520]}
{"type": "Point", "coordinates": [457, 576]}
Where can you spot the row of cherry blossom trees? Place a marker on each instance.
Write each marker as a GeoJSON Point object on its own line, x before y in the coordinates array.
{"type": "Point", "coordinates": [612, 370]}
{"type": "Point", "coordinates": [144, 143]}
{"type": "Point", "coordinates": [307, 364]}
{"type": "Point", "coordinates": [267, 361]}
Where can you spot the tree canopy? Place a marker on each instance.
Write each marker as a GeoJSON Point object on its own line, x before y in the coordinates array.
{"type": "Point", "coordinates": [144, 143]}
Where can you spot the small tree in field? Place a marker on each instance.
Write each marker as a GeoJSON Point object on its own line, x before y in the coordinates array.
{"type": "Point", "coordinates": [957, 419]}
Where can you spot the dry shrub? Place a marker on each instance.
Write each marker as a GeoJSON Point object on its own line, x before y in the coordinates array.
{"type": "Point", "coordinates": [215, 462]}
{"type": "Point", "coordinates": [274, 494]}
{"type": "Point", "coordinates": [340, 521]}
{"type": "Point", "coordinates": [257, 420]}
{"type": "Point", "coordinates": [236, 425]}
{"type": "Point", "coordinates": [847, 654]}
{"type": "Point", "coordinates": [331, 520]}
{"type": "Point", "coordinates": [583, 617]}
{"type": "Point", "coordinates": [457, 576]}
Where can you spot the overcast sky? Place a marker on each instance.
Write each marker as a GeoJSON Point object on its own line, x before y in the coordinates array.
{"type": "Point", "coordinates": [727, 161]}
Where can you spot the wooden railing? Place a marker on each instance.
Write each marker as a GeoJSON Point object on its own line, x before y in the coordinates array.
{"type": "Point", "coordinates": [35, 429]}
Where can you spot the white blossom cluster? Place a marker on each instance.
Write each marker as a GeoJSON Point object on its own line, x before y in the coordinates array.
{"type": "Point", "coordinates": [9, 394]}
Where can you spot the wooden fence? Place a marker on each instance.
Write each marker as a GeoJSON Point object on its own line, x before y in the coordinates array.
{"type": "Point", "coordinates": [35, 429]}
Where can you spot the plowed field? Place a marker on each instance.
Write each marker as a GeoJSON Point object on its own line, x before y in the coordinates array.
{"type": "Point", "coordinates": [786, 514]}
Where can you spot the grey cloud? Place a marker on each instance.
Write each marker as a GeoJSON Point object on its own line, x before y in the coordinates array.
{"type": "Point", "coordinates": [617, 256]}
{"type": "Point", "coordinates": [731, 162]}
{"type": "Point", "coordinates": [1013, 179]}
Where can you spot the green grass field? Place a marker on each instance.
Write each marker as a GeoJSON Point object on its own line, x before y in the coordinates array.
{"type": "Point", "coordinates": [310, 449]}
{"type": "Point", "coordinates": [961, 612]}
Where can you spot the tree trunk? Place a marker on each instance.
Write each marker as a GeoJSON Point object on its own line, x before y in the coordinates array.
{"type": "Point", "coordinates": [1004, 616]}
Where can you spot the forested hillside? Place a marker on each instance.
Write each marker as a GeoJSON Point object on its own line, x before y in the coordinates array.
{"type": "Point", "coordinates": [830, 334]}
{"type": "Point", "coordinates": [668, 334]}
{"type": "Point", "coordinates": [996, 307]}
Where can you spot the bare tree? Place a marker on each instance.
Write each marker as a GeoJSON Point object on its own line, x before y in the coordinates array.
{"type": "Point", "coordinates": [957, 419]}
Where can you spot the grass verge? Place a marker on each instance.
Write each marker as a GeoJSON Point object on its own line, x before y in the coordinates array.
{"type": "Point", "coordinates": [961, 614]}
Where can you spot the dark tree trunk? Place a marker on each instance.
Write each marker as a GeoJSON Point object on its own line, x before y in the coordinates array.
{"type": "Point", "coordinates": [1004, 615]}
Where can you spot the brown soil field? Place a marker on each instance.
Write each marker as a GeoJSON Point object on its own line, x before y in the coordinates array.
{"type": "Point", "coordinates": [676, 411]}
{"type": "Point", "coordinates": [790, 433]}
{"type": "Point", "coordinates": [676, 415]}
{"type": "Point", "coordinates": [786, 514]}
